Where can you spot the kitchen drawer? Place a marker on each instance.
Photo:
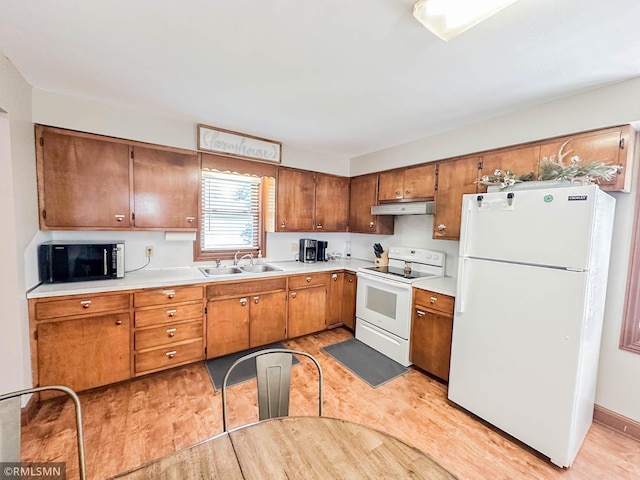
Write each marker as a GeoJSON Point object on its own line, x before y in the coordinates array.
{"type": "Point", "coordinates": [301, 281]}
{"type": "Point", "coordinates": [434, 301]}
{"type": "Point", "coordinates": [169, 314]}
{"type": "Point", "coordinates": [169, 356]}
{"type": "Point", "coordinates": [246, 287]}
{"type": "Point", "coordinates": [80, 305]}
{"type": "Point", "coordinates": [170, 333]}
{"type": "Point", "coordinates": [162, 296]}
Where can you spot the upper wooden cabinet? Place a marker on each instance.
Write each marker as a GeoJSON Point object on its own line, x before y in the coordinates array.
{"type": "Point", "coordinates": [88, 181]}
{"type": "Point", "coordinates": [83, 180]}
{"type": "Point", "coordinates": [455, 178]}
{"type": "Point", "coordinates": [364, 194]}
{"type": "Point", "coordinates": [519, 160]}
{"type": "Point", "coordinates": [166, 186]}
{"type": "Point", "coordinates": [615, 146]}
{"type": "Point", "coordinates": [309, 201]}
{"type": "Point", "coordinates": [415, 183]}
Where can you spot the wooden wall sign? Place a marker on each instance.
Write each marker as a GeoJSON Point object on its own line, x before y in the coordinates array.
{"type": "Point", "coordinates": [233, 144]}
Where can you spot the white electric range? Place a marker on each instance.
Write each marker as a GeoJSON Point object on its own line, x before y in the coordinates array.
{"type": "Point", "coordinates": [383, 305]}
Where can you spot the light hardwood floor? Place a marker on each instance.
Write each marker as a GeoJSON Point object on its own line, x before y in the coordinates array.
{"type": "Point", "coordinates": [131, 423]}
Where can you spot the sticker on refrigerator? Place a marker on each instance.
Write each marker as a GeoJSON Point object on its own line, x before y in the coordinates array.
{"type": "Point", "coordinates": [548, 198]}
{"type": "Point", "coordinates": [574, 198]}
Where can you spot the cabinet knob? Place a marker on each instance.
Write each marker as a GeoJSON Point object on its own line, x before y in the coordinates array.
{"type": "Point", "coordinates": [170, 293]}
{"type": "Point", "coordinates": [171, 331]}
{"type": "Point", "coordinates": [334, 277]}
{"type": "Point", "coordinates": [171, 354]}
{"type": "Point", "coordinates": [85, 303]}
{"type": "Point", "coordinates": [308, 279]}
{"type": "Point", "coordinates": [319, 225]}
{"type": "Point", "coordinates": [351, 280]}
{"type": "Point", "coordinates": [283, 224]}
{"type": "Point", "coordinates": [256, 300]}
{"type": "Point", "coordinates": [119, 218]}
{"type": "Point", "coordinates": [371, 224]}
{"type": "Point", "coordinates": [293, 294]}
{"type": "Point", "coordinates": [441, 227]}
{"type": "Point", "coordinates": [407, 192]}
{"type": "Point", "coordinates": [420, 313]}
{"type": "Point", "coordinates": [118, 322]}
{"type": "Point", "coordinates": [171, 313]}
{"type": "Point", "coordinates": [191, 219]}
{"type": "Point", "coordinates": [243, 301]}
{"type": "Point", "coordinates": [433, 300]}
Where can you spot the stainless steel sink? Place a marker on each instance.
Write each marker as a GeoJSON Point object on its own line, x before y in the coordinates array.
{"type": "Point", "coordinates": [215, 271]}
{"type": "Point", "coordinates": [260, 268]}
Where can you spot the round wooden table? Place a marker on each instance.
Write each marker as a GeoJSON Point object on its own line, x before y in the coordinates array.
{"type": "Point", "coordinates": [296, 448]}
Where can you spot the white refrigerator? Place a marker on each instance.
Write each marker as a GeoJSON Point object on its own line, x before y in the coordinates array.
{"type": "Point", "coordinates": [532, 278]}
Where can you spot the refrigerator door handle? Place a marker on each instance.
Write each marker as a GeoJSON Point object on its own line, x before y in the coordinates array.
{"type": "Point", "coordinates": [460, 287]}
{"type": "Point", "coordinates": [464, 226]}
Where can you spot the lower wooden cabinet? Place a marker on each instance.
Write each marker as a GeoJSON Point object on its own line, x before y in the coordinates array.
{"type": "Point", "coordinates": [169, 328]}
{"type": "Point", "coordinates": [431, 331]}
{"type": "Point", "coordinates": [349, 300]}
{"type": "Point", "coordinates": [84, 353]}
{"type": "Point", "coordinates": [307, 304]}
{"type": "Point", "coordinates": [245, 314]}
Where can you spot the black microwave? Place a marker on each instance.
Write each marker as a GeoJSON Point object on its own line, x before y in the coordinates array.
{"type": "Point", "coordinates": [80, 262]}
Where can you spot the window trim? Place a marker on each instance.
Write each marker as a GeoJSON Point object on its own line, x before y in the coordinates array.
{"type": "Point", "coordinates": [630, 331]}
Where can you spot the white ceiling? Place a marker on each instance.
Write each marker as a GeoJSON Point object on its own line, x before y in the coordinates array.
{"type": "Point", "coordinates": [341, 76]}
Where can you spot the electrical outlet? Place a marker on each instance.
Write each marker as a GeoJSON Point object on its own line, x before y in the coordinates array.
{"type": "Point", "coordinates": [148, 251]}
{"type": "Point", "coordinates": [294, 247]}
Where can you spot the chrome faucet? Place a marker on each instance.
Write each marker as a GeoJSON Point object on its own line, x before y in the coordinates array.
{"type": "Point", "coordinates": [217, 263]}
{"type": "Point", "coordinates": [236, 261]}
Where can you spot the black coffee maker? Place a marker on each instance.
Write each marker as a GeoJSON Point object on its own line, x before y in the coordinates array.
{"type": "Point", "coordinates": [321, 251]}
{"type": "Point", "coordinates": [308, 250]}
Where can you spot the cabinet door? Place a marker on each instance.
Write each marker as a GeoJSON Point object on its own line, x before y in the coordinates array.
{"type": "Point", "coordinates": [363, 196]}
{"type": "Point", "coordinates": [420, 182]}
{"type": "Point", "coordinates": [431, 341]}
{"type": "Point", "coordinates": [227, 326]}
{"type": "Point", "coordinates": [307, 308]}
{"type": "Point", "coordinates": [268, 320]}
{"type": "Point", "coordinates": [349, 300]}
{"type": "Point", "coordinates": [295, 200]}
{"type": "Point", "coordinates": [455, 178]}
{"type": "Point", "coordinates": [166, 188]}
{"type": "Point", "coordinates": [82, 181]}
{"type": "Point", "coordinates": [391, 186]}
{"type": "Point", "coordinates": [332, 203]}
{"type": "Point", "coordinates": [334, 299]}
{"type": "Point", "coordinates": [613, 146]}
{"type": "Point", "coordinates": [84, 353]}
{"type": "Point", "coordinates": [519, 160]}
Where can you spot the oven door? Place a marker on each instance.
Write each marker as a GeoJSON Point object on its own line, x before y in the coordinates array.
{"type": "Point", "coordinates": [385, 304]}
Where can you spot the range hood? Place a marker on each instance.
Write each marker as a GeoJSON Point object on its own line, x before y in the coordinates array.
{"type": "Point", "coordinates": [405, 208]}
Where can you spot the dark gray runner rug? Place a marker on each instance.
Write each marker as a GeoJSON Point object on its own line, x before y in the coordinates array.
{"type": "Point", "coordinates": [217, 367]}
{"type": "Point", "coordinates": [365, 362]}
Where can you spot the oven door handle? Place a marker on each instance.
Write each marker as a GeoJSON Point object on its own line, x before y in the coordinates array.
{"type": "Point", "coordinates": [403, 286]}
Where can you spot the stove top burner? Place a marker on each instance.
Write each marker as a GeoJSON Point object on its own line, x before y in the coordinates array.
{"type": "Point", "coordinates": [399, 272]}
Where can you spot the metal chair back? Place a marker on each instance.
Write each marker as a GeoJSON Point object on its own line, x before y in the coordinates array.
{"type": "Point", "coordinates": [10, 424]}
{"type": "Point", "coordinates": [273, 374]}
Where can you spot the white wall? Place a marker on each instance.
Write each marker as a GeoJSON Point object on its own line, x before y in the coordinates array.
{"type": "Point", "coordinates": [20, 224]}
{"type": "Point", "coordinates": [618, 389]}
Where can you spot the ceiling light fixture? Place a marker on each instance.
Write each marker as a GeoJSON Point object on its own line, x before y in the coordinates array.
{"type": "Point", "coordinates": [449, 18]}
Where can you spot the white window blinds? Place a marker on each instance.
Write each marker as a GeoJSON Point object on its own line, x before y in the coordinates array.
{"type": "Point", "coordinates": [230, 212]}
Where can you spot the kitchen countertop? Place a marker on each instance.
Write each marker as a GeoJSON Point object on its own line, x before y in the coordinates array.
{"type": "Point", "coordinates": [166, 277]}
{"type": "Point", "coordinates": [442, 285]}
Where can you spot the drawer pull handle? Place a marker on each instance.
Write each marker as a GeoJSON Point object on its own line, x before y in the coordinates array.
{"type": "Point", "coordinates": [85, 303]}
{"type": "Point", "coordinates": [170, 293]}
{"type": "Point", "coordinates": [171, 354]}
{"type": "Point", "coordinates": [293, 294]}
{"type": "Point", "coordinates": [119, 218]}
{"type": "Point", "coordinates": [118, 322]}
{"type": "Point", "coordinates": [420, 313]}
{"type": "Point", "coordinates": [334, 277]}
{"type": "Point", "coordinates": [256, 300]}
{"type": "Point", "coordinates": [433, 300]}
{"type": "Point", "coordinates": [171, 313]}
{"type": "Point", "coordinates": [171, 331]}
{"type": "Point", "coordinates": [243, 301]}
{"type": "Point", "coordinates": [191, 219]}
{"type": "Point", "coordinates": [308, 279]}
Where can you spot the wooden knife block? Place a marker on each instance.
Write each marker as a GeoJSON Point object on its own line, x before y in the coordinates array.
{"type": "Point", "coordinates": [383, 261]}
